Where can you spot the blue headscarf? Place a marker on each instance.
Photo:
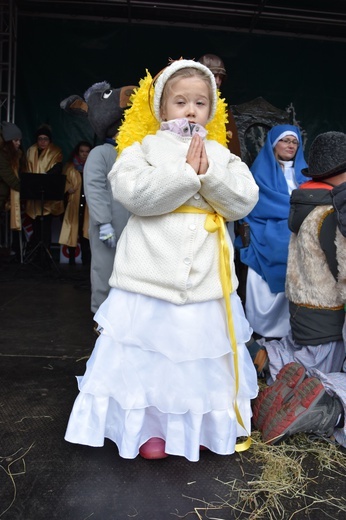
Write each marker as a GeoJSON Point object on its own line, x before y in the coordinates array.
{"type": "Point", "coordinates": [269, 233]}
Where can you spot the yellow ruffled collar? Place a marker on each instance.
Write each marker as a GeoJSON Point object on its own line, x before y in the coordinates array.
{"type": "Point", "coordinates": [139, 119]}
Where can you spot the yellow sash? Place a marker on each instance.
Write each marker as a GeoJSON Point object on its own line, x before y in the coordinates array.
{"type": "Point", "coordinates": [70, 224]}
{"type": "Point", "coordinates": [215, 222]}
{"type": "Point", "coordinates": [15, 216]}
{"type": "Point", "coordinates": [15, 212]}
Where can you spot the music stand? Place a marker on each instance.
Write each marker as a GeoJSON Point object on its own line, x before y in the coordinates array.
{"type": "Point", "coordinates": [38, 186]}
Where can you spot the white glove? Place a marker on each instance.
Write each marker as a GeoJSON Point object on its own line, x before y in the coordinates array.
{"type": "Point", "coordinates": [107, 235]}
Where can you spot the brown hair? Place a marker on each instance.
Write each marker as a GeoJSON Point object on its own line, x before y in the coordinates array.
{"type": "Point", "coordinates": [16, 158]}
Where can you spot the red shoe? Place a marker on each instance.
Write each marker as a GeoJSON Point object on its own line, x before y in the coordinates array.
{"type": "Point", "coordinates": [153, 449]}
{"type": "Point", "coordinates": [273, 397]}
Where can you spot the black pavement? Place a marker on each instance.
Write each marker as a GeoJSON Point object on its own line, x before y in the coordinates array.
{"type": "Point", "coordinates": [46, 338]}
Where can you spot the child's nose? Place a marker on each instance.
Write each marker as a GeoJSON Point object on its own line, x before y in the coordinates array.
{"type": "Point", "coordinates": [190, 109]}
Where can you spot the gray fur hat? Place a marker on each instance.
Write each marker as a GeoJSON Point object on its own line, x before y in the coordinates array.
{"type": "Point", "coordinates": [327, 156]}
{"type": "Point", "coordinates": [106, 107]}
{"type": "Point", "coordinates": [10, 131]}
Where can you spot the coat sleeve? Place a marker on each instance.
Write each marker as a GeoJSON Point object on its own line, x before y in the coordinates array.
{"type": "Point", "coordinates": [149, 187]}
{"type": "Point", "coordinates": [96, 188]}
{"type": "Point", "coordinates": [228, 185]}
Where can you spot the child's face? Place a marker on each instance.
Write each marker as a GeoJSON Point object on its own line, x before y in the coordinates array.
{"type": "Point", "coordinates": [187, 98]}
{"type": "Point", "coordinates": [83, 152]}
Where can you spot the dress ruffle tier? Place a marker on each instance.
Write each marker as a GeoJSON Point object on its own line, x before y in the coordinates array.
{"type": "Point", "coordinates": [163, 370]}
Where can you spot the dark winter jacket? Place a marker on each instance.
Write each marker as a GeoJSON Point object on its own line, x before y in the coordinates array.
{"type": "Point", "coordinates": [316, 272]}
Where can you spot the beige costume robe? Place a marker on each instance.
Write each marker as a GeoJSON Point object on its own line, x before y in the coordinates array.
{"type": "Point", "coordinates": [41, 164]}
{"type": "Point", "coordinates": [70, 225]}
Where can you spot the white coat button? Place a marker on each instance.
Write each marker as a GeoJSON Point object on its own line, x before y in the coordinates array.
{"type": "Point", "coordinates": [196, 196]}
{"type": "Point", "coordinates": [187, 261]}
{"type": "Point", "coordinates": [192, 227]}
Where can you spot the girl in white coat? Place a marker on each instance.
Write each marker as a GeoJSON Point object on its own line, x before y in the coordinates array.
{"type": "Point", "coordinates": [170, 372]}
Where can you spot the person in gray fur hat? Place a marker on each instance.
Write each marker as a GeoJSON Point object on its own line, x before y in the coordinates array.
{"type": "Point", "coordinates": [306, 369]}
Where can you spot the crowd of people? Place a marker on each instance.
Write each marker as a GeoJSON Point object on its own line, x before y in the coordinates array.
{"type": "Point", "coordinates": [179, 353]}
{"type": "Point", "coordinates": [42, 157]}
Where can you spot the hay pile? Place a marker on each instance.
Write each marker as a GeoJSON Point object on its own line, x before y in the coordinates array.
{"type": "Point", "coordinates": [282, 483]}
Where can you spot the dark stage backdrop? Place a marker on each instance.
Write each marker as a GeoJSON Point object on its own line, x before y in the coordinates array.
{"type": "Point", "coordinates": [57, 58]}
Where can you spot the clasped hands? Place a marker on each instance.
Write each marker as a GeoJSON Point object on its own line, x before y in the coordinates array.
{"type": "Point", "coordinates": [197, 155]}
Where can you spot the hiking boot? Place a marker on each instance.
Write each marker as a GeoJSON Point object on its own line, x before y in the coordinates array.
{"type": "Point", "coordinates": [259, 357]}
{"type": "Point", "coordinates": [310, 410]}
{"type": "Point", "coordinates": [271, 399]}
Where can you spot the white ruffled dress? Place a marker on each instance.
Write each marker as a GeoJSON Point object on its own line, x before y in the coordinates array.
{"type": "Point", "coordinates": [165, 370]}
